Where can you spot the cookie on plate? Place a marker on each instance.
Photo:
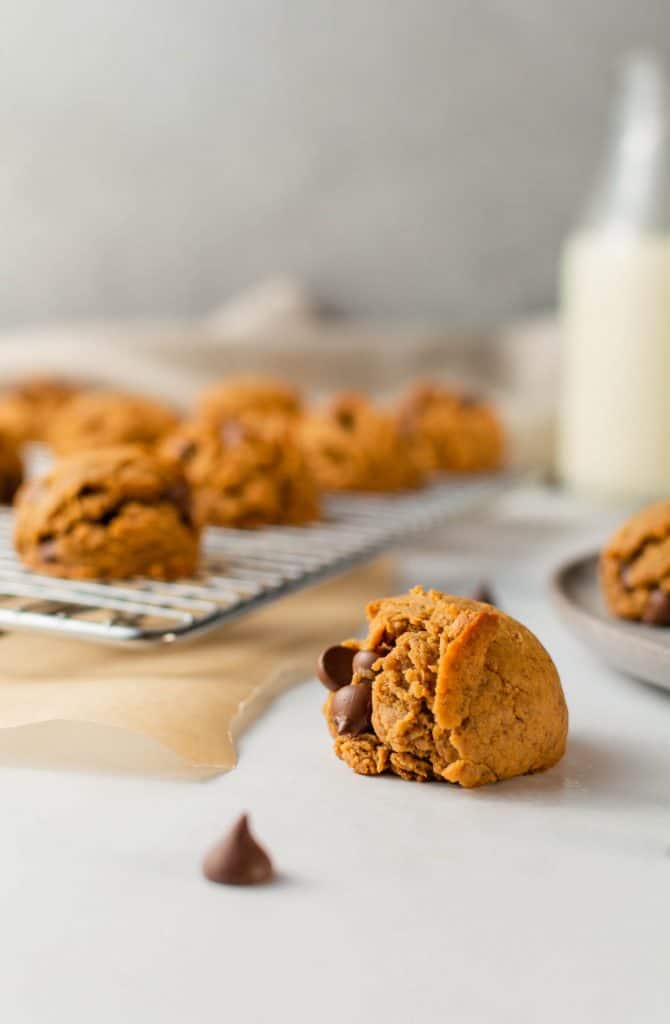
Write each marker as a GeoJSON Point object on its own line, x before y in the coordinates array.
{"type": "Point", "coordinates": [108, 514]}
{"type": "Point", "coordinates": [451, 431]}
{"type": "Point", "coordinates": [353, 446]}
{"type": "Point", "coordinates": [26, 408]}
{"type": "Point", "coordinates": [94, 419]}
{"type": "Point", "coordinates": [240, 395]}
{"type": "Point", "coordinates": [245, 473]}
{"type": "Point", "coordinates": [635, 567]}
{"type": "Point", "coordinates": [11, 468]}
{"type": "Point", "coordinates": [444, 688]}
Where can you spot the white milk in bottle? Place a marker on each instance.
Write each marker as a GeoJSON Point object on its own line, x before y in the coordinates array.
{"type": "Point", "coordinates": [614, 437]}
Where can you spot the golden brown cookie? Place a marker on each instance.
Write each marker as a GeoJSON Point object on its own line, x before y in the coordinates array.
{"type": "Point", "coordinates": [353, 446]}
{"type": "Point", "coordinates": [635, 567]}
{"type": "Point", "coordinates": [451, 431]}
{"type": "Point", "coordinates": [11, 467]}
{"type": "Point", "coordinates": [245, 473]}
{"type": "Point", "coordinates": [444, 688]}
{"type": "Point", "coordinates": [108, 514]}
{"type": "Point", "coordinates": [237, 396]}
{"type": "Point", "coordinates": [93, 419]}
{"type": "Point", "coordinates": [26, 409]}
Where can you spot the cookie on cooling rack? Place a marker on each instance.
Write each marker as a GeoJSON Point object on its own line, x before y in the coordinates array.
{"type": "Point", "coordinates": [237, 396]}
{"type": "Point", "coordinates": [353, 446]}
{"type": "Point", "coordinates": [245, 473]}
{"type": "Point", "coordinates": [11, 467]}
{"type": "Point", "coordinates": [108, 514]}
{"type": "Point", "coordinates": [27, 407]}
{"type": "Point", "coordinates": [94, 419]}
{"type": "Point", "coordinates": [444, 688]}
{"type": "Point", "coordinates": [451, 431]}
{"type": "Point", "coordinates": [635, 567]}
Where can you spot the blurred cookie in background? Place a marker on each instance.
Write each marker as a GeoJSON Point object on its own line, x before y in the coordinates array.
{"type": "Point", "coordinates": [352, 445]}
{"type": "Point", "coordinates": [94, 419]}
{"type": "Point", "coordinates": [245, 473]}
{"type": "Point", "coordinates": [27, 407]}
{"type": "Point", "coordinates": [451, 430]}
{"type": "Point", "coordinates": [635, 567]}
{"type": "Point", "coordinates": [236, 396]}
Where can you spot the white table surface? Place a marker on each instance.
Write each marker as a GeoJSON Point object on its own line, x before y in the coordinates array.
{"type": "Point", "coordinates": [540, 899]}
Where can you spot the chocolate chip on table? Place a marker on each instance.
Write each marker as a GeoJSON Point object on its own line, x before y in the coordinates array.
{"type": "Point", "coordinates": [657, 610]}
{"type": "Point", "coordinates": [351, 709]}
{"type": "Point", "coordinates": [483, 593]}
{"type": "Point", "coordinates": [335, 666]}
{"type": "Point", "coordinates": [238, 859]}
{"type": "Point", "coordinates": [364, 660]}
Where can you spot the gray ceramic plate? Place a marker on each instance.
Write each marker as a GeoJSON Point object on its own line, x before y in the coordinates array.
{"type": "Point", "coordinates": [641, 651]}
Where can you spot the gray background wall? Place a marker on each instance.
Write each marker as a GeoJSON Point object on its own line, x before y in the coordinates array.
{"type": "Point", "coordinates": [414, 158]}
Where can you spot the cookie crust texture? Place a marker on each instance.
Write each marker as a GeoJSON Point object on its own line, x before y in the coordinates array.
{"type": "Point", "coordinates": [451, 431]}
{"type": "Point", "coordinates": [108, 514]}
{"type": "Point", "coordinates": [26, 408]}
{"type": "Point", "coordinates": [245, 473]}
{"type": "Point", "coordinates": [461, 692]}
{"type": "Point", "coordinates": [94, 419]}
{"type": "Point", "coordinates": [635, 564]}
{"type": "Point", "coordinates": [353, 446]}
{"type": "Point", "coordinates": [247, 395]}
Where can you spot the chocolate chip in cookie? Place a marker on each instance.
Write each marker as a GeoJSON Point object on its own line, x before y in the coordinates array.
{"type": "Point", "coordinates": [657, 609]}
{"type": "Point", "coordinates": [351, 709]}
{"type": "Point", "coordinates": [335, 666]}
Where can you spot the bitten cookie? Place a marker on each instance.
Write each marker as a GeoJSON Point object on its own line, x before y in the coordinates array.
{"type": "Point", "coordinates": [11, 468]}
{"type": "Point", "coordinates": [94, 419]}
{"type": "Point", "coordinates": [451, 431]}
{"type": "Point", "coordinates": [245, 473]}
{"type": "Point", "coordinates": [635, 567]}
{"type": "Point", "coordinates": [353, 446]}
{"type": "Point", "coordinates": [26, 409]}
{"type": "Point", "coordinates": [248, 395]}
{"type": "Point", "coordinates": [108, 514]}
{"type": "Point", "coordinates": [444, 688]}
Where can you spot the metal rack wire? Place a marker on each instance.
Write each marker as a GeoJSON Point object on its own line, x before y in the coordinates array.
{"type": "Point", "coordinates": [242, 569]}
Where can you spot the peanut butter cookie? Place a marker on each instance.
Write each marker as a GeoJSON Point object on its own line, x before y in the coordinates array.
{"type": "Point", "coordinates": [635, 567]}
{"type": "Point", "coordinates": [444, 688]}
{"type": "Point", "coordinates": [94, 419]}
{"type": "Point", "coordinates": [248, 395]}
{"type": "Point", "coordinates": [11, 467]}
{"type": "Point", "coordinates": [108, 514]}
{"type": "Point", "coordinates": [245, 473]}
{"type": "Point", "coordinates": [451, 431]}
{"type": "Point", "coordinates": [353, 446]}
{"type": "Point", "coordinates": [26, 409]}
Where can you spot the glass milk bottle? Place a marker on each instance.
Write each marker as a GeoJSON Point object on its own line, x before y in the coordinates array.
{"type": "Point", "coordinates": [614, 429]}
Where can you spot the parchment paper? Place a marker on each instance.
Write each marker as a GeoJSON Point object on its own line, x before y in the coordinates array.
{"type": "Point", "coordinates": [172, 710]}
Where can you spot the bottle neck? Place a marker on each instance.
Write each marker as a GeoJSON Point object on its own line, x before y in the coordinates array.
{"type": "Point", "coordinates": [633, 194]}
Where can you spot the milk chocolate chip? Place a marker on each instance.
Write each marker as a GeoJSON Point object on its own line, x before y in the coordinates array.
{"type": "Point", "coordinates": [657, 610]}
{"type": "Point", "coordinates": [351, 709]}
{"type": "Point", "coordinates": [335, 666]}
{"type": "Point", "coordinates": [364, 660]}
{"type": "Point", "coordinates": [483, 593]}
{"type": "Point", "coordinates": [238, 859]}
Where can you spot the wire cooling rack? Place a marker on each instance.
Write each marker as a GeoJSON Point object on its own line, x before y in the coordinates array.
{"type": "Point", "coordinates": [241, 569]}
